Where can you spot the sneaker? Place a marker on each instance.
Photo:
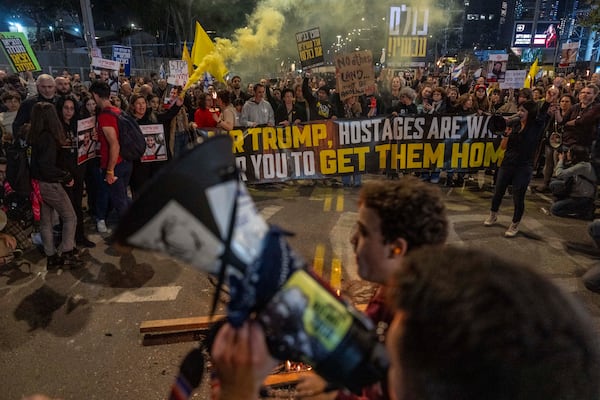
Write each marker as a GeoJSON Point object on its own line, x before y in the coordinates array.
{"type": "Point", "coordinates": [492, 219]}
{"type": "Point", "coordinates": [101, 226]}
{"type": "Point", "coordinates": [512, 230]}
{"type": "Point", "coordinates": [71, 260]}
{"type": "Point", "coordinates": [54, 262]}
{"type": "Point", "coordinates": [85, 242]}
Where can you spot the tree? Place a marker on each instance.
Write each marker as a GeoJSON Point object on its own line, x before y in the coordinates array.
{"type": "Point", "coordinates": [591, 18]}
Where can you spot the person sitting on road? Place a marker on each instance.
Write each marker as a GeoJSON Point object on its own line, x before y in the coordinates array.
{"type": "Point", "coordinates": [467, 325]}
{"type": "Point", "coordinates": [394, 219]}
{"type": "Point", "coordinates": [579, 201]}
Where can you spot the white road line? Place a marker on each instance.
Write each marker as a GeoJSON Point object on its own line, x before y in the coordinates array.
{"type": "Point", "coordinates": [340, 244]}
{"type": "Point", "coordinates": [145, 294]}
{"type": "Point", "coordinates": [269, 211]}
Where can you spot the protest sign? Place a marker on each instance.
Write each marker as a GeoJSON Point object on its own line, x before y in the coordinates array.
{"type": "Point", "coordinates": [17, 50]}
{"type": "Point", "coordinates": [353, 72]}
{"type": "Point", "coordinates": [322, 149]}
{"type": "Point", "coordinates": [496, 70]}
{"type": "Point", "coordinates": [513, 79]}
{"type": "Point", "coordinates": [87, 140]}
{"type": "Point", "coordinates": [568, 54]}
{"type": "Point", "coordinates": [156, 148]}
{"type": "Point", "coordinates": [178, 73]}
{"type": "Point", "coordinates": [122, 54]}
{"type": "Point", "coordinates": [113, 67]}
{"type": "Point", "coordinates": [310, 48]}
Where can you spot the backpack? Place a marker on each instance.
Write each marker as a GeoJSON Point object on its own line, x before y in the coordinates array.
{"type": "Point", "coordinates": [17, 167]}
{"type": "Point", "coordinates": [131, 138]}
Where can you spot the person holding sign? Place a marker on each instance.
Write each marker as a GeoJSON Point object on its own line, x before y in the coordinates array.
{"type": "Point", "coordinates": [68, 110]}
{"type": "Point", "coordinates": [46, 137]}
{"type": "Point", "coordinates": [144, 116]}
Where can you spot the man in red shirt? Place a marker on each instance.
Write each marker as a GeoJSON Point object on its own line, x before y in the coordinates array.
{"type": "Point", "coordinates": [115, 170]}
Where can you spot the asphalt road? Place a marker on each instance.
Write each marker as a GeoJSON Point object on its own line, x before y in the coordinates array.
{"type": "Point", "coordinates": [76, 335]}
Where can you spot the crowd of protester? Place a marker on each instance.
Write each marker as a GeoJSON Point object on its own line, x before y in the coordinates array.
{"type": "Point", "coordinates": [43, 116]}
{"type": "Point", "coordinates": [568, 105]}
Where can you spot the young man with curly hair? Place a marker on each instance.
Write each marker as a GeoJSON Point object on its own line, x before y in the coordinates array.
{"type": "Point", "coordinates": [467, 325]}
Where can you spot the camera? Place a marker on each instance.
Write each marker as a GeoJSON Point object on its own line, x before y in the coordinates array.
{"type": "Point", "coordinates": [209, 221]}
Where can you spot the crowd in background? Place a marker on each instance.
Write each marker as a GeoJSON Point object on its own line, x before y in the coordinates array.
{"type": "Point", "coordinates": [569, 105]}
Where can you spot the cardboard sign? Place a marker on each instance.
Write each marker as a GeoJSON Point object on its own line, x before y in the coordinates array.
{"type": "Point", "coordinates": [178, 73]}
{"type": "Point", "coordinates": [353, 72]}
{"type": "Point", "coordinates": [17, 50]}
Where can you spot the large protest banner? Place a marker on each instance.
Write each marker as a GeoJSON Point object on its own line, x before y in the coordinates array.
{"type": "Point", "coordinates": [322, 149]}
{"type": "Point", "coordinates": [310, 48]}
{"type": "Point", "coordinates": [16, 48]}
{"type": "Point", "coordinates": [353, 72]}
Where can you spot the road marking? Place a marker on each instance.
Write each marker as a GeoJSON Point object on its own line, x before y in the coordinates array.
{"type": "Point", "coordinates": [327, 202]}
{"type": "Point", "coordinates": [340, 244]}
{"type": "Point", "coordinates": [339, 207]}
{"type": "Point", "coordinates": [319, 260]}
{"type": "Point", "coordinates": [336, 275]}
{"type": "Point", "coordinates": [145, 294]}
{"type": "Point", "coordinates": [269, 211]}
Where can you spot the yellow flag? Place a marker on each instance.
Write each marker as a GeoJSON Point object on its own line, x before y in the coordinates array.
{"type": "Point", "coordinates": [205, 59]}
{"type": "Point", "coordinates": [202, 45]}
{"type": "Point", "coordinates": [185, 56]}
{"type": "Point", "coordinates": [530, 78]}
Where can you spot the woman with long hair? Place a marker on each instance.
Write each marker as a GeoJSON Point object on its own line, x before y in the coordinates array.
{"type": "Point", "coordinates": [68, 111]}
{"type": "Point", "coordinates": [520, 143]}
{"type": "Point", "coordinates": [206, 116]}
{"type": "Point", "coordinates": [46, 138]}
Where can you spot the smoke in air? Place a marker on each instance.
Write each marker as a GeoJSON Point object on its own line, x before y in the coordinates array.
{"type": "Point", "coordinates": [268, 40]}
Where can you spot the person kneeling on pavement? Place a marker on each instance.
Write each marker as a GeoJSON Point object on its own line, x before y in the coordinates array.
{"type": "Point", "coordinates": [8, 243]}
{"type": "Point", "coordinates": [591, 279]}
{"type": "Point", "coordinates": [574, 185]}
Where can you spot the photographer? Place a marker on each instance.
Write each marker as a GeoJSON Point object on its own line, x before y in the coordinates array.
{"type": "Point", "coordinates": [551, 156]}
{"type": "Point", "coordinates": [520, 143]}
{"type": "Point", "coordinates": [466, 325]}
{"type": "Point", "coordinates": [578, 202]}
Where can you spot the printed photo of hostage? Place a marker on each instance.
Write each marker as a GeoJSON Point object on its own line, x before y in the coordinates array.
{"type": "Point", "coordinates": [87, 140]}
{"type": "Point", "coordinates": [156, 150]}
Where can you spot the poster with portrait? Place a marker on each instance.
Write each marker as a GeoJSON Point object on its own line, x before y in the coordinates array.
{"type": "Point", "coordinates": [156, 147]}
{"type": "Point", "coordinates": [108, 71]}
{"type": "Point", "coordinates": [87, 140]}
{"type": "Point", "coordinates": [568, 54]}
{"type": "Point", "coordinates": [496, 68]}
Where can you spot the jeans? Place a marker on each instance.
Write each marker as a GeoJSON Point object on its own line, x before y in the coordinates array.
{"type": "Point", "coordinates": [519, 177]}
{"type": "Point", "coordinates": [116, 193]}
{"type": "Point", "coordinates": [352, 180]}
{"type": "Point", "coordinates": [55, 198]}
{"type": "Point", "coordinates": [576, 207]}
{"type": "Point", "coordinates": [180, 144]}
{"type": "Point", "coordinates": [551, 160]}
